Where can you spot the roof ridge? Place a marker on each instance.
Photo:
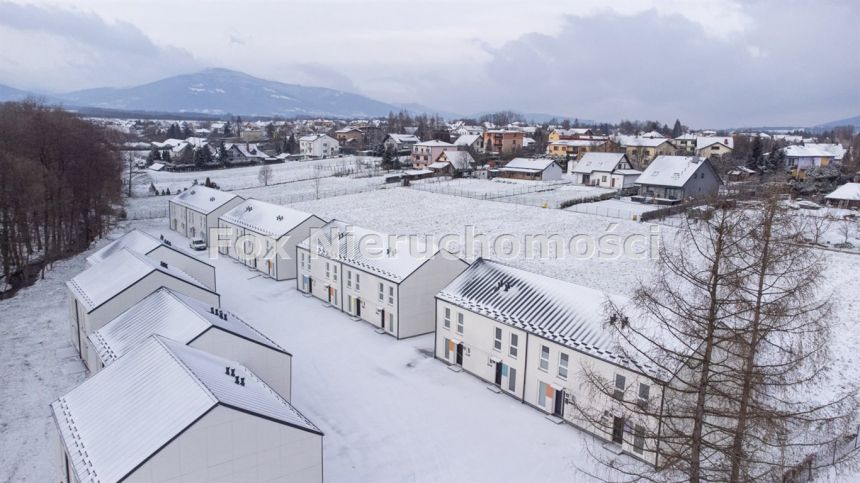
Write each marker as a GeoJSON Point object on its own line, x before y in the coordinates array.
{"type": "Point", "coordinates": [160, 340]}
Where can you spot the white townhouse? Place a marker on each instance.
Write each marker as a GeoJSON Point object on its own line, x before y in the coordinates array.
{"type": "Point", "coordinates": [318, 146]}
{"type": "Point", "coordinates": [371, 277]}
{"type": "Point", "coordinates": [160, 250]}
{"type": "Point", "coordinates": [607, 170]}
{"type": "Point", "coordinates": [264, 236]}
{"type": "Point", "coordinates": [672, 179]}
{"type": "Point", "coordinates": [197, 209]}
{"type": "Point", "coordinates": [197, 324]}
{"type": "Point", "coordinates": [100, 293]}
{"type": "Point", "coordinates": [536, 339]}
{"type": "Point", "coordinates": [167, 412]}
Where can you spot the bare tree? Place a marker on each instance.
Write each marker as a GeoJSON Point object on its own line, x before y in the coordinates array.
{"type": "Point", "coordinates": [817, 226]}
{"type": "Point", "coordinates": [846, 227]}
{"type": "Point", "coordinates": [265, 174]}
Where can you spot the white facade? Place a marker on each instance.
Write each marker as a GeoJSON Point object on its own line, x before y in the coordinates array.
{"type": "Point", "coordinates": [192, 212]}
{"type": "Point", "coordinates": [397, 298]}
{"type": "Point", "coordinates": [264, 236]}
{"type": "Point", "coordinates": [318, 146]}
{"type": "Point", "coordinates": [503, 325]}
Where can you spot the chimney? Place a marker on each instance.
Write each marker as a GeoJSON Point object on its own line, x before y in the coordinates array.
{"type": "Point", "coordinates": [236, 380]}
{"type": "Point", "coordinates": [233, 371]}
{"type": "Point", "coordinates": [242, 381]}
{"type": "Point", "coordinates": [211, 310]}
{"type": "Point", "coordinates": [227, 370]}
{"type": "Point", "coordinates": [163, 264]}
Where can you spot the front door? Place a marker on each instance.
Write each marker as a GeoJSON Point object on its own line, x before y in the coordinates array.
{"type": "Point", "coordinates": [558, 403]}
{"type": "Point", "coordinates": [358, 307]}
{"type": "Point", "coordinates": [498, 379]}
{"type": "Point", "coordinates": [459, 354]}
{"type": "Point", "coordinates": [382, 318]}
{"type": "Point", "coordinates": [618, 430]}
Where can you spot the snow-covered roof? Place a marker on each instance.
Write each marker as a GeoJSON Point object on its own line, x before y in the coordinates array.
{"type": "Point", "coordinates": [313, 137]}
{"type": "Point", "coordinates": [653, 135]}
{"type": "Point", "coordinates": [673, 171]}
{"type": "Point", "coordinates": [117, 419]}
{"type": "Point", "coordinates": [347, 129]}
{"type": "Point", "coordinates": [156, 166]}
{"type": "Point", "coordinates": [99, 283]}
{"type": "Point", "coordinates": [390, 257]}
{"type": "Point", "coordinates": [565, 313]}
{"type": "Point", "coordinates": [806, 151]}
{"type": "Point", "coordinates": [135, 240]}
{"type": "Point", "coordinates": [247, 150]}
{"type": "Point", "coordinates": [265, 218]}
{"type": "Point", "coordinates": [604, 162]}
{"type": "Point", "coordinates": [203, 199]}
{"type": "Point", "coordinates": [575, 131]}
{"type": "Point", "coordinates": [439, 165]}
{"type": "Point", "coordinates": [417, 172]}
{"type": "Point", "coordinates": [848, 191]}
{"type": "Point", "coordinates": [577, 143]}
{"type": "Point", "coordinates": [641, 142]}
{"type": "Point", "coordinates": [467, 139]}
{"type": "Point", "coordinates": [836, 150]}
{"type": "Point", "coordinates": [528, 164]}
{"type": "Point", "coordinates": [458, 159]}
{"type": "Point", "coordinates": [172, 315]}
{"type": "Point", "coordinates": [405, 138]}
{"type": "Point", "coordinates": [435, 143]}
{"type": "Point", "coordinates": [628, 172]}
{"type": "Point", "coordinates": [703, 142]}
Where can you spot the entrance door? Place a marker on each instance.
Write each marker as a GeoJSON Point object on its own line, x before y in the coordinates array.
{"type": "Point", "coordinates": [358, 307]}
{"type": "Point", "coordinates": [382, 318]}
{"type": "Point", "coordinates": [328, 294]}
{"type": "Point", "coordinates": [558, 403]}
{"type": "Point", "coordinates": [498, 379]}
{"type": "Point", "coordinates": [617, 430]}
{"type": "Point", "coordinates": [459, 354]}
{"type": "Point", "coordinates": [310, 285]}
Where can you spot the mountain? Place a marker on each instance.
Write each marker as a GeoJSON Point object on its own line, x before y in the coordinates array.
{"type": "Point", "coordinates": [222, 91]}
{"type": "Point", "coordinates": [11, 94]}
{"type": "Point", "coordinates": [851, 121]}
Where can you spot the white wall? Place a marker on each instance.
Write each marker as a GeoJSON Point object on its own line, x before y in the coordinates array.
{"type": "Point", "coordinates": [273, 367]}
{"type": "Point", "coordinates": [200, 270]}
{"type": "Point", "coordinates": [229, 445]}
{"type": "Point", "coordinates": [417, 302]}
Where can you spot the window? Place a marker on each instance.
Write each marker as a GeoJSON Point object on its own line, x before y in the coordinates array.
{"type": "Point", "coordinates": [515, 339]}
{"type": "Point", "coordinates": [497, 342]}
{"type": "Point", "coordinates": [381, 292]}
{"type": "Point", "coordinates": [562, 365]}
{"type": "Point", "coordinates": [358, 281]}
{"type": "Point", "coordinates": [639, 438]}
{"type": "Point", "coordinates": [327, 273]}
{"type": "Point", "coordinates": [447, 349]}
{"type": "Point", "coordinates": [544, 358]}
{"type": "Point", "coordinates": [512, 379]}
{"type": "Point", "coordinates": [447, 321]}
{"type": "Point", "coordinates": [349, 278]}
{"type": "Point", "coordinates": [542, 390]}
{"type": "Point", "coordinates": [619, 387]}
{"type": "Point", "coordinates": [335, 273]}
{"type": "Point", "coordinates": [391, 294]}
{"type": "Point", "coordinates": [391, 322]}
{"type": "Point", "coordinates": [302, 260]}
{"type": "Point", "coordinates": [644, 392]}
{"type": "Point", "coordinates": [460, 322]}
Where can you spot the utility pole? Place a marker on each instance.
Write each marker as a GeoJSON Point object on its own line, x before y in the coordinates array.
{"type": "Point", "coordinates": [130, 159]}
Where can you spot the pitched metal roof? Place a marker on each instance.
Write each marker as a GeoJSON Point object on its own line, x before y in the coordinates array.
{"type": "Point", "coordinates": [604, 162]}
{"type": "Point", "coordinates": [569, 314]}
{"type": "Point", "coordinates": [202, 199]}
{"type": "Point", "coordinates": [673, 171]}
{"type": "Point", "coordinates": [135, 240]}
{"type": "Point", "coordinates": [172, 315]}
{"type": "Point", "coordinates": [126, 413]}
{"type": "Point", "coordinates": [369, 250]}
{"type": "Point", "coordinates": [265, 218]}
{"type": "Point", "coordinates": [848, 191]}
{"type": "Point", "coordinates": [528, 164]}
{"type": "Point", "coordinates": [99, 283]}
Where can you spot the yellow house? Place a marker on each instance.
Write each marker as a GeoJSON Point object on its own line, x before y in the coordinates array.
{"type": "Point", "coordinates": [574, 133]}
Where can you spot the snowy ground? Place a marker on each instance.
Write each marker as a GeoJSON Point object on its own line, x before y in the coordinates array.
{"type": "Point", "coordinates": [623, 208]}
{"type": "Point", "coordinates": [390, 412]}
{"type": "Point", "coordinates": [550, 194]}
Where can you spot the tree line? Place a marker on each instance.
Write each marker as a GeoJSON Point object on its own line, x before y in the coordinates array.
{"type": "Point", "coordinates": [59, 185]}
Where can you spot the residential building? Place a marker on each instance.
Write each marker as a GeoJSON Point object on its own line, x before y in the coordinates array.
{"type": "Point", "coordinates": [244, 153]}
{"type": "Point", "coordinates": [425, 153]}
{"type": "Point", "coordinates": [538, 340]}
{"type": "Point", "coordinates": [714, 147]}
{"type": "Point", "coordinates": [641, 150]}
{"type": "Point", "coordinates": [470, 141]}
{"type": "Point", "coordinates": [685, 144]}
{"type": "Point", "coordinates": [167, 412]}
{"type": "Point", "coordinates": [575, 148]}
{"type": "Point", "coordinates": [264, 236]}
{"type": "Point", "coordinates": [845, 196]}
{"type": "Point", "coordinates": [835, 149]}
{"type": "Point", "coordinates": [671, 179]}
{"type": "Point", "coordinates": [384, 280]}
{"type": "Point", "coordinates": [452, 161]}
{"type": "Point", "coordinates": [503, 141]}
{"type": "Point", "coordinates": [401, 143]}
{"type": "Point", "coordinates": [568, 134]}
{"type": "Point", "coordinates": [100, 293]}
{"type": "Point", "coordinates": [160, 251]}
{"type": "Point", "coordinates": [541, 169]}
{"type": "Point", "coordinates": [194, 211]}
{"type": "Point", "coordinates": [197, 324]}
{"type": "Point", "coordinates": [607, 170]}
{"type": "Point", "coordinates": [801, 158]}
{"type": "Point", "coordinates": [318, 146]}
{"type": "Point", "coordinates": [349, 136]}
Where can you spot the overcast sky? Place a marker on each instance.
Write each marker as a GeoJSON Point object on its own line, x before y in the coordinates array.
{"type": "Point", "coordinates": [711, 63]}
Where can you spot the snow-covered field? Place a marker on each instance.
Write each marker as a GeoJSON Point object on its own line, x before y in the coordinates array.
{"type": "Point", "coordinates": [389, 411]}
{"type": "Point", "coordinates": [550, 194]}
{"type": "Point", "coordinates": [623, 208]}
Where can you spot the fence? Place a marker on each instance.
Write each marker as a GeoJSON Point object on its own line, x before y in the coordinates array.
{"type": "Point", "coordinates": [519, 193]}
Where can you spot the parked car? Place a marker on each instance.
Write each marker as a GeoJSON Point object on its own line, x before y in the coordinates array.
{"type": "Point", "coordinates": [197, 244]}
